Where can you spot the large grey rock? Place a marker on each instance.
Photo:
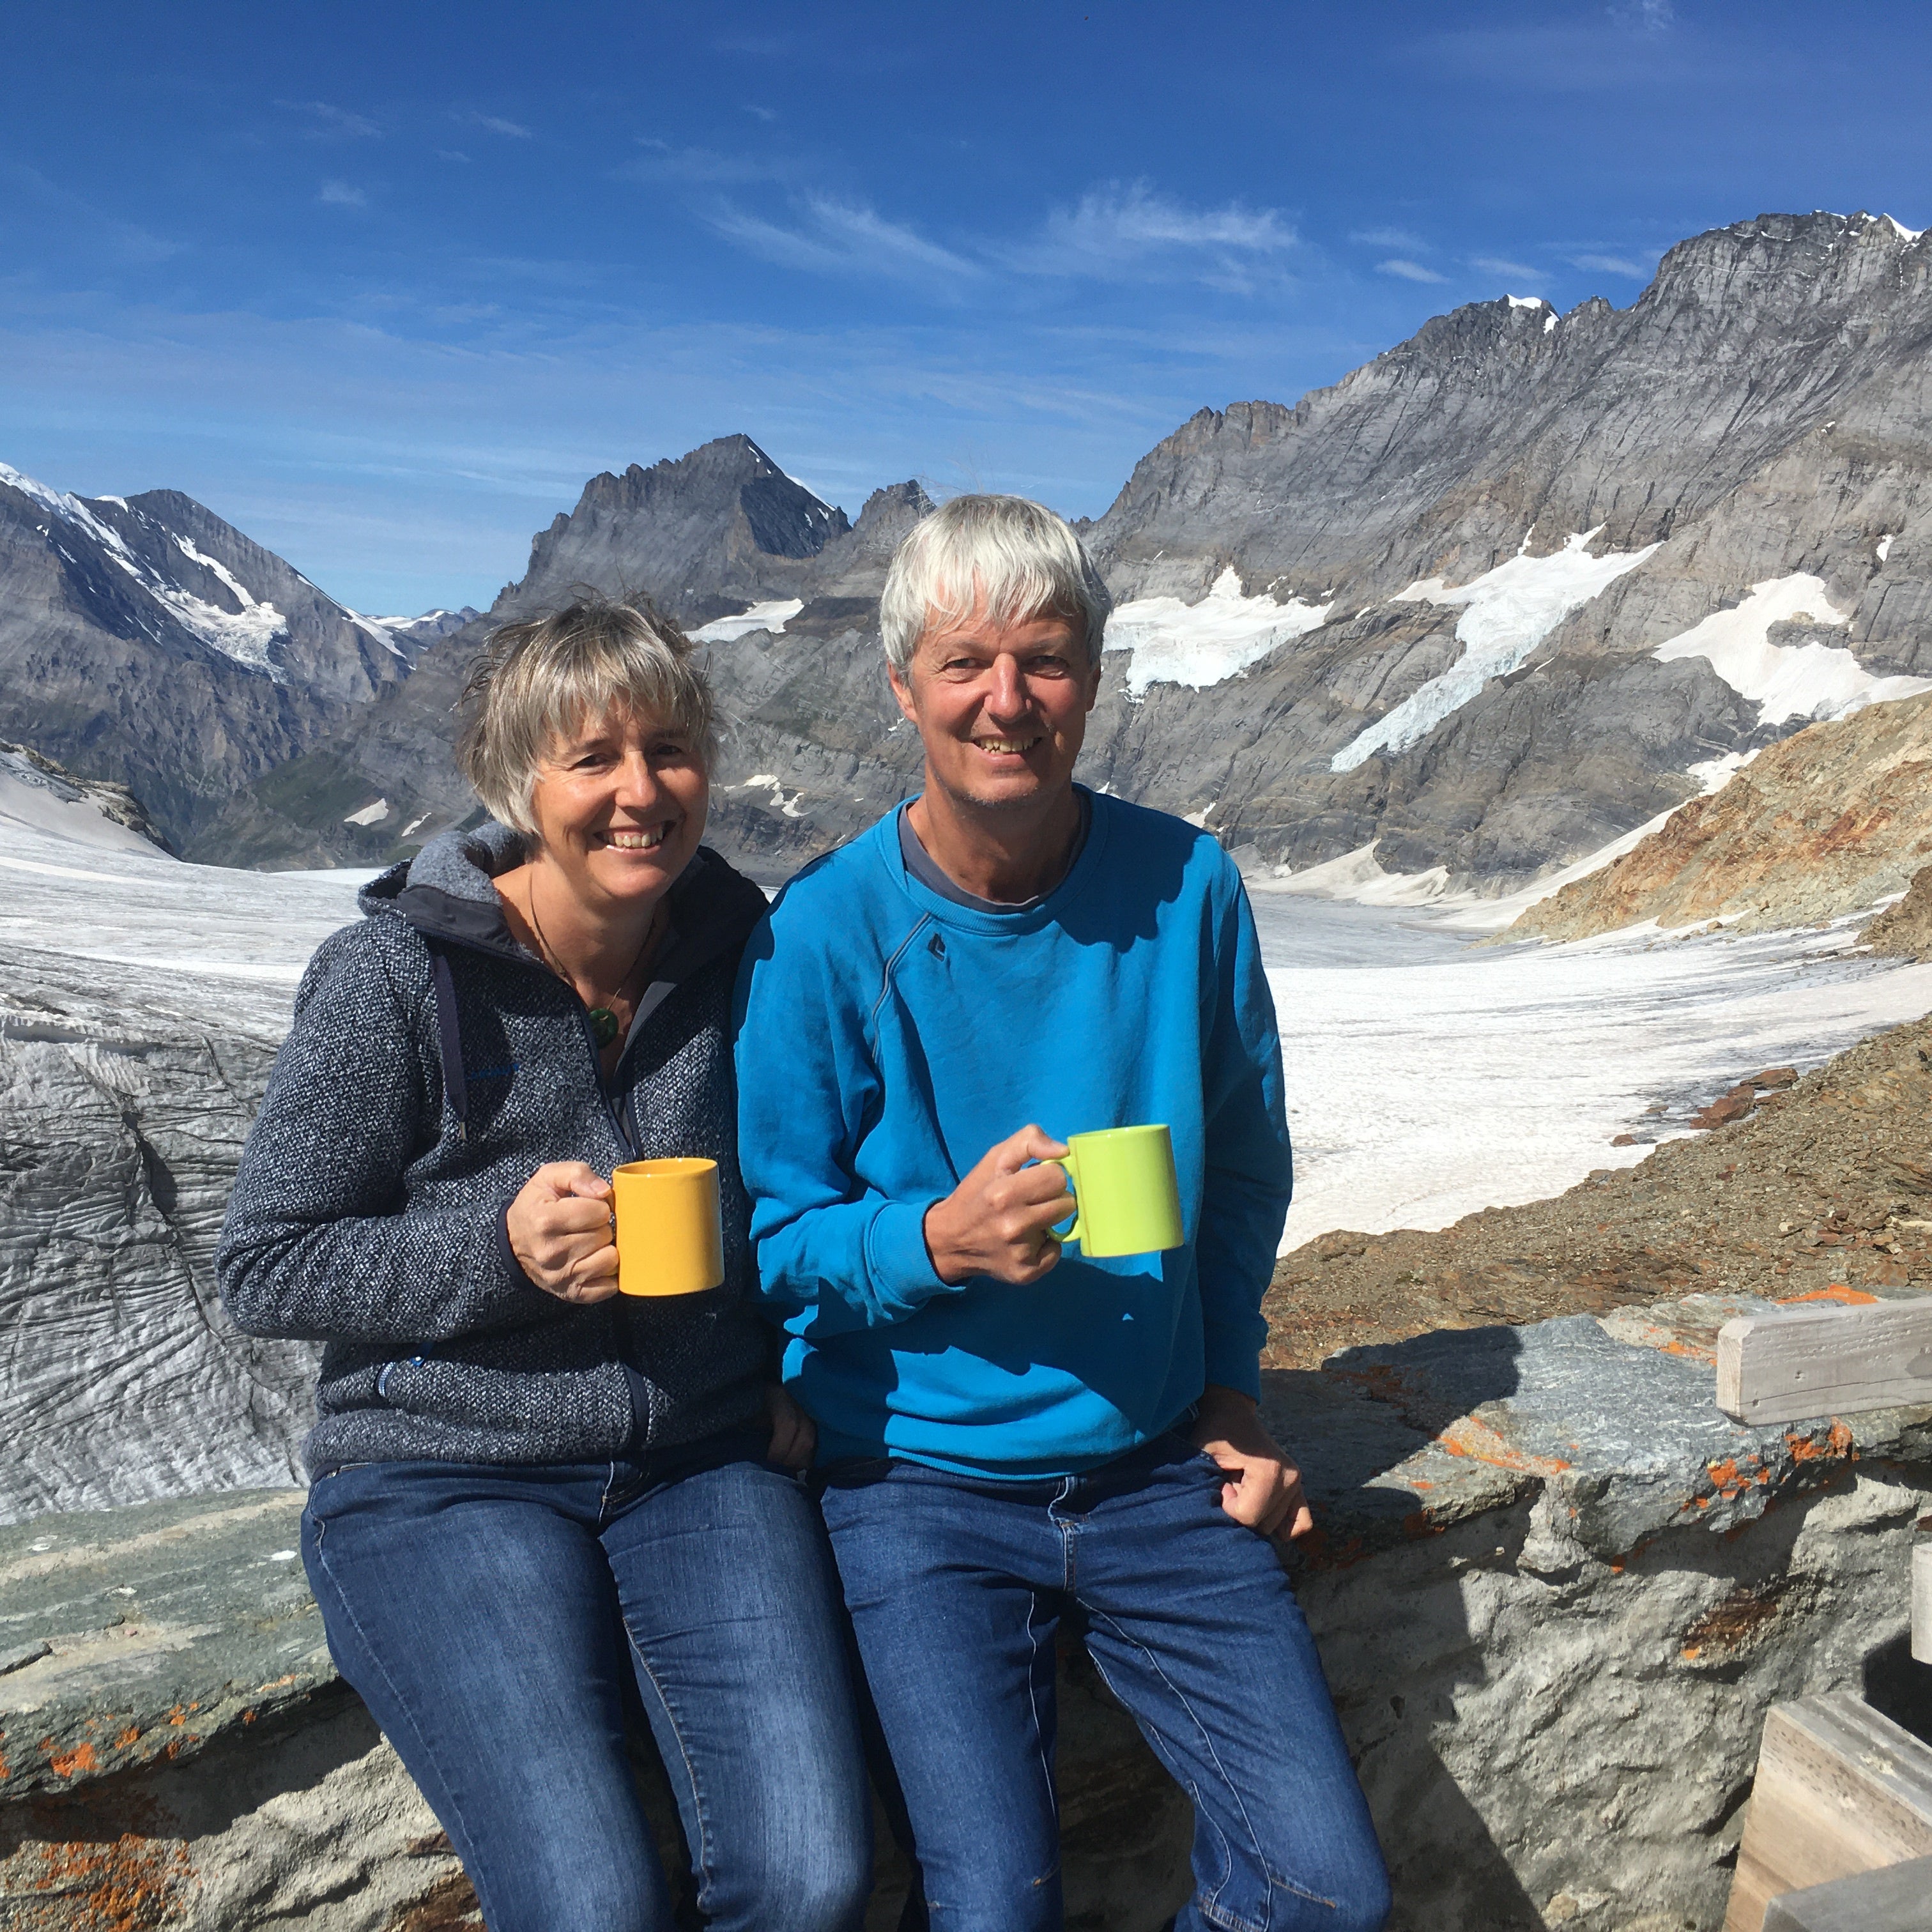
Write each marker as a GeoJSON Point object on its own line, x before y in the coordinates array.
{"type": "Point", "coordinates": [121, 1121]}
{"type": "Point", "coordinates": [1555, 1592]}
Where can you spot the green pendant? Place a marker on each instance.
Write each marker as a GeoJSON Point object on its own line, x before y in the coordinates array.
{"type": "Point", "coordinates": [603, 1025]}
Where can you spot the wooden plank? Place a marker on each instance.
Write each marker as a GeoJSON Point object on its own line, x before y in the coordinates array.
{"type": "Point", "coordinates": [1921, 1592]}
{"type": "Point", "coordinates": [1840, 1790]}
{"type": "Point", "coordinates": [1798, 1364]}
{"type": "Point", "coordinates": [1895, 1898]}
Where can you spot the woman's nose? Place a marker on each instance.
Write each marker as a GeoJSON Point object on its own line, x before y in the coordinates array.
{"type": "Point", "coordinates": [636, 783]}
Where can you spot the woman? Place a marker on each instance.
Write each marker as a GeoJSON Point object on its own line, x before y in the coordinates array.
{"type": "Point", "coordinates": [525, 1491]}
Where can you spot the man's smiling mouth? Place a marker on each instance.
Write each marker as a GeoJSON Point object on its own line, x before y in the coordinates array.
{"type": "Point", "coordinates": [1008, 747]}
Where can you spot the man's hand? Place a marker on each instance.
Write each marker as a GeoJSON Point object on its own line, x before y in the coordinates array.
{"type": "Point", "coordinates": [999, 1220]}
{"type": "Point", "coordinates": [794, 1434]}
{"type": "Point", "coordinates": [563, 1233]}
{"type": "Point", "coordinates": [1263, 1488]}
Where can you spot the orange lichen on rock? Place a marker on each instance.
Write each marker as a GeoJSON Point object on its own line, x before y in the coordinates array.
{"type": "Point", "coordinates": [1839, 1292]}
{"type": "Point", "coordinates": [128, 1886]}
{"type": "Point", "coordinates": [1838, 1446]}
{"type": "Point", "coordinates": [64, 1764]}
{"type": "Point", "coordinates": [1468, 1437]}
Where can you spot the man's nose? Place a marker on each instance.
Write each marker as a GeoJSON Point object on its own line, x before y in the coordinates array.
{"type": "Point", "coordinates": [1007, 696]}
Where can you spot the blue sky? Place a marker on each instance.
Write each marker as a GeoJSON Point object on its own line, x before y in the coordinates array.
{"type": "Point", "coordinates": [384, 285]}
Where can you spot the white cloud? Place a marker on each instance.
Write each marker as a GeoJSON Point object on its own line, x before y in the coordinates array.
{"type": "Point", "coordinates": [342, 194]}
{"type": "Point", "coordinates": [1133, 233]}
{"type": "Point", "coordinates": [494, 123]}
{"type": "Point", "coordinates": [762, 113]}
{"type": "Point", "coordinates": [331, 120]}
{"type": "Point", "coordinates": [697, 165]}
{"type": "Point", "coordinates": [1613, 265]}
{"type": "Point", "coordinates": [1494, 264]}
{"type": "Point", "coordinates": [842, 238]}
{"type": "Point", "coordinates": [1410, 272]}
{"type": "Point", "coordinates": [1391, 238]}
{"type": "Point", "coordinates": [451, 154]}
{"type": "Point", "coordinates": [1644, 16]}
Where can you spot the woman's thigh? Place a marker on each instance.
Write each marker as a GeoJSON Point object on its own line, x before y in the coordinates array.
{"type": "Point", "coordinates": [738, 1642]}
{"type": "Point", "coordinates": [473, 1608]}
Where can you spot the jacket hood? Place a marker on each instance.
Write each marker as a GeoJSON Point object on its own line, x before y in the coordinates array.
{"type": "Point", "coordinates": [445, 892]}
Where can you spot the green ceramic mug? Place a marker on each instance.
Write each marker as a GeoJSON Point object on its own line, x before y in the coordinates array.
{"type": "Point", "coordinates": [1123, 1179]}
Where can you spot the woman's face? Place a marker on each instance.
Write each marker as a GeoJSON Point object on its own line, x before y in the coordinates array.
{"type": "Point", "coordinates": [619, 809]}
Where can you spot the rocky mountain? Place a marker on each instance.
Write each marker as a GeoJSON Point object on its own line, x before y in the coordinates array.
{"type": "Point", "coordinates": [1514, 588]}
{"type": "Point", "coordinates": [721, 538]}
{"type": "Point", "coordinates": [144, 641]}
{"type": "Point", "coordinates": [1828, 822]}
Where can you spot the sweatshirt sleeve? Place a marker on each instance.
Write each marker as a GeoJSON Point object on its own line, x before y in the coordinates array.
{"type": "Point", "coordinates": [320, 1243]}
{"type": "Point", "coordinates": [1249, 1170]}
{"type": "Point", "coordinates": [833, 1254]}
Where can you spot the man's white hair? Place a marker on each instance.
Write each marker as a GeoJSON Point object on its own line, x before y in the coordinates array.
{"type": "Point", "coordinates": [1010, 556]}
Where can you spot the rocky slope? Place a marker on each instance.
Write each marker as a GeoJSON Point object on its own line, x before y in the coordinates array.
{"type": "Point", "coordinates": [145, 642]}
{"type": "Point", "coordinates": [1826, 823]}
{"type": "Point", "coordinates": [1484, 605]}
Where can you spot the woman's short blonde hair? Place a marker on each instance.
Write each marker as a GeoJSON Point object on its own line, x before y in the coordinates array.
{"type": "Point", "coordinates": [1015, 556]}
{"type": "Point", "coordinates": [537, 684]}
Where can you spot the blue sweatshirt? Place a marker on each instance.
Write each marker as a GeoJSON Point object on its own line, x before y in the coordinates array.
{"type": "Point", "coordinates": [888, 1037]}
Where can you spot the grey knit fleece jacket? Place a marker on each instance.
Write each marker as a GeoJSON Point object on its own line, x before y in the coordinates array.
{"type": "Point", "coordinates": [399, 1123]}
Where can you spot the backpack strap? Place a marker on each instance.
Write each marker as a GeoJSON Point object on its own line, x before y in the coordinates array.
{"type": "Point", "coordinates": [449, 1040]}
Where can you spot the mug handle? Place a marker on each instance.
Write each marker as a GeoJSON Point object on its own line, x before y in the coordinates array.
{"type": "Point", "coordinates": [1067, 1160]}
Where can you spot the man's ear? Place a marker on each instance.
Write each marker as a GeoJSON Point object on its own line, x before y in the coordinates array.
{"type": "Point", "coordinates": [1093, 684]}
{"type": "Point", "coordinates": [902, 690]}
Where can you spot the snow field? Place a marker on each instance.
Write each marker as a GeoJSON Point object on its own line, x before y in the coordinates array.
{"type": "Point", "coordinates": [773, 617]}
{"type": "Point", "coordinates": [1813, 681]}
{"type": "Point", "coordinates": [1201, 644]}
{"type": "Point", "coordinates": [1421, 1089]}
{"type": "Point", "coordinates": [1508, 612]}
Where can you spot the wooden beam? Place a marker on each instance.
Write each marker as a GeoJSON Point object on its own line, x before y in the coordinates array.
{"type": "Point", "coordinates": [1797, 1364]}
{"type": "Point", "coordinates": [1921, 1592]}
{"type": "Point", "coordinates": [1840, 1790]}
{"type": "Point", "coordinates": [1895, 1898]}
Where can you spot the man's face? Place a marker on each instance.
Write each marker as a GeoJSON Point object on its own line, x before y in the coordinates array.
{"type": "Point", "coordinates": [1001, 708]}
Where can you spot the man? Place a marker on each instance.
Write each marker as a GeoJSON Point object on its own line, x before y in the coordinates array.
{"type": "Point", "coordinates": [1008, 1433]}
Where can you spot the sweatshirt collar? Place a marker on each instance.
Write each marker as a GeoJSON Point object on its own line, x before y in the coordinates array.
{"type": "Point", "coordinates": [1027, 919]}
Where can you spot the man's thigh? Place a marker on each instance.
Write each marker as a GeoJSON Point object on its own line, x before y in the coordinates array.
{"type": "Point", "coordinates": [954, 1605]}
{"type": "Point", "coordinates": [477, 1620]}
{"type": "Point", "coordinates": [731, 1606]}
{"type": "Point", "coordinates": [1196, 1629]}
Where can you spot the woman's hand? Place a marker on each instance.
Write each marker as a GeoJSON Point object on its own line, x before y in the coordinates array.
{"type": "Point", "coordinates": [562, 1232]}
{"type": "Point", "coordinates": [794, 1434]}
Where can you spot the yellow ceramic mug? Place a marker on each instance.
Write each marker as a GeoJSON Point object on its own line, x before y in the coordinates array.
{"type": "Point", "coordinates": [669, 1237]}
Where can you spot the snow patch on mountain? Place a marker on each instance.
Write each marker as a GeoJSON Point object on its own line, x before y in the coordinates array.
{"type": "Point", "coordinates": [1510, 610]}
{"type": "Point", "coordinates": [1884, 550]}
{"type": "Point", "coordinates": [772, 616]}
{"type": "Point", "coordinates": [245, 635]}
{"type": "Point", "coordinates": [1813, 680]}
{"type": "Point", "coordinates": [1201, 644]}
{"type": "Point", "coordinates": [35, 800]}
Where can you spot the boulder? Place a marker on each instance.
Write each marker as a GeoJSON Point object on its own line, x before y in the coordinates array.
{"type": "Point", "coordinates": [1555, 1590]}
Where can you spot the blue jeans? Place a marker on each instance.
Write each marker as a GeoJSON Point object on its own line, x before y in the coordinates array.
{"type": "Point", "coordinates": [956, 1587]}
{"type": "Point", "coordinates": [491, 1615]}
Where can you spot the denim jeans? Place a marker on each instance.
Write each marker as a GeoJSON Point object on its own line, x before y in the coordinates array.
{"type": "Point", "coordinates": [489, 1616]}
{"type": "Point", "coordinates": [956, 1587]}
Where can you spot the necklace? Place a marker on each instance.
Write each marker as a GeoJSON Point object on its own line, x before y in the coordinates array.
{"type": "Point", "coordinates": [604, 1027]}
